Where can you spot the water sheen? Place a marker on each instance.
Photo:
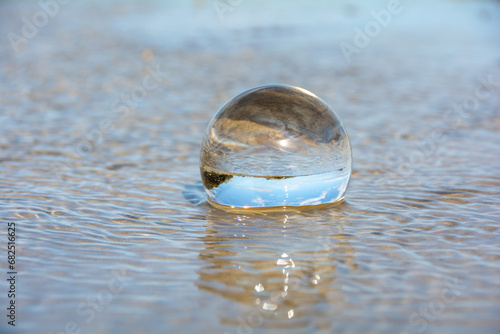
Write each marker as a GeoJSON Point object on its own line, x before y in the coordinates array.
{"type": "Point", "coordinates": [114, 231]}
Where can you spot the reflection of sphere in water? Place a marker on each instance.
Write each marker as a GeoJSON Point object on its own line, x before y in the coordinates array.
{"type": "Point", "coordinates": [275, 146]}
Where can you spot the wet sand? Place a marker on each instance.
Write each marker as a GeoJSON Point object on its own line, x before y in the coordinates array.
{"type": "Point", "coordinates": [103, 109]}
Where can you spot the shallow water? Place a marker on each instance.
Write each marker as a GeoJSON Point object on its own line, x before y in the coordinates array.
{"type": "Point", "coordinates": [99, 170]}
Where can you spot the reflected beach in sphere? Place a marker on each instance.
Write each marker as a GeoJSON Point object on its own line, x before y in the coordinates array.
{"type": "Point", "coordinates": [275, 146]}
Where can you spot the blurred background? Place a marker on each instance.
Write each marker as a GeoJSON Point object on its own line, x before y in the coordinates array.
{"type": "Point", "coordinates": [103, 106]}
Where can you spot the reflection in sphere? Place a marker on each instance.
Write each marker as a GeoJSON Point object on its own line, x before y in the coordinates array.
{"type": "Point", "coordinates": [275, 146]}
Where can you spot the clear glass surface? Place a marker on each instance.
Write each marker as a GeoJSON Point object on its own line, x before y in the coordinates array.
{"type": "Point", "coordinates": [275, 146]}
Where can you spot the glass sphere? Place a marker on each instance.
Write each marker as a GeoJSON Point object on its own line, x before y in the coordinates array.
{"type": "Point", "coordinates": [275, 146]}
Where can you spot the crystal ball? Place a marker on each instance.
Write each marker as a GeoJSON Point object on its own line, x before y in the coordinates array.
{"type": "Point", "coordinates": [275, 146]}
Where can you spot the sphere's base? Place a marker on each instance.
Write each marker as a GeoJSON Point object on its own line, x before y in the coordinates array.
{"type": "Point", "coordinates": [274, 208]}
{"type": "Point", "coordinates": [276, 193]}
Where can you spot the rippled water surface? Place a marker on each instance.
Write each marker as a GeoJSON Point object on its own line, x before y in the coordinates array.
{"type": "Point", "coordinates": [99, 169]}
